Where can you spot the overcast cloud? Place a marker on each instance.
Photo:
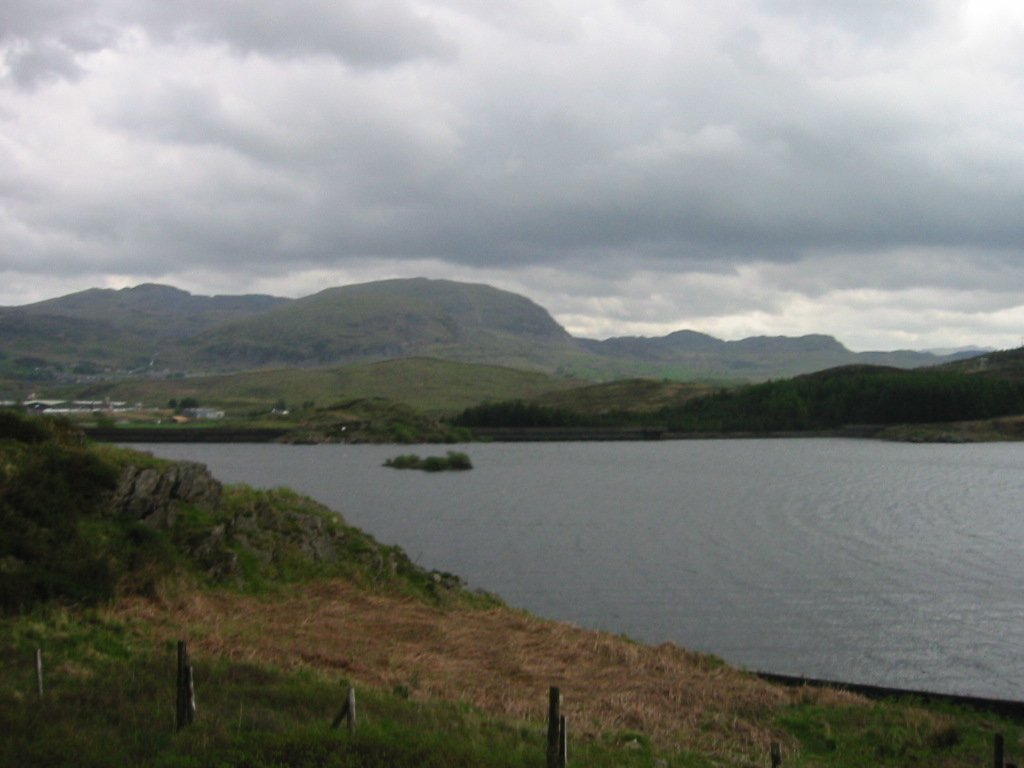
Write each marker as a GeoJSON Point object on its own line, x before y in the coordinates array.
{"type": "Point", "coordinates": [636, 166]}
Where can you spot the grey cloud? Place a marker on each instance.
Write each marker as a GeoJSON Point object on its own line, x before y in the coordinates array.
{"type": "Point", "coordinates": [535, 172]}
{"type": "Point", "coordinates": [31, 66]}
{"type": "Point", "coordinates": [41, 19]}
{"type": "Point", "coordinates": [39, 38]}
{"type": "Point", "coordinates": [373, 33]}
{"type": "Point", "coordinates": [886, 20]}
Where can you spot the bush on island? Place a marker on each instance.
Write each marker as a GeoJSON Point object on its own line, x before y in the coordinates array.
{"type": "Point", "coordinates": [455, 460]}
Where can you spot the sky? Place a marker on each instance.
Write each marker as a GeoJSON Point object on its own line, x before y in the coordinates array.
{"type": "Point", "coordinates": [736, 167]}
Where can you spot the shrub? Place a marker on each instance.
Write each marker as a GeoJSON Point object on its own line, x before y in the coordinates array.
{"type": "Point", "coordinates": [455, 460]}
{"type": "Point", "coordinates": [459, 460]}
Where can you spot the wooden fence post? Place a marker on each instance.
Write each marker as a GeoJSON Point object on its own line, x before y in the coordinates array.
{"type": "Point", "coordinates": [351, 715]}
{"type": "Point", "coordinates": [179, 687]}
{"type": "Point", "coordinates": [554, 702]}
{"type": "Point", "coordinates": [776, 751]}
{"type": "Point", "coordinates": [39, 671]}
{"type": "Point", "coordinates": [347, 712]}
{"type": "Point", "coordinates": [998, 755]}
{"type": "Point", "coordinates": [185, 713]}
{"type": "Point", "coordinates": [563, 743]}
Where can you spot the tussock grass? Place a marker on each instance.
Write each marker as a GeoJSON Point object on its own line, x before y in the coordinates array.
{"type": "Point", "coordinates": [110, 693]}
{"type": "Point", "coordinates": [646, 700]}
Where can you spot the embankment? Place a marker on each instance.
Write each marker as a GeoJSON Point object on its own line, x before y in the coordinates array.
{"type": "Point", "coordinates": [184, 434]}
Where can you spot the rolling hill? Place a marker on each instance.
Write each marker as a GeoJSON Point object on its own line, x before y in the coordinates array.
{"type": "Point", "coordinates": [1003, 364]}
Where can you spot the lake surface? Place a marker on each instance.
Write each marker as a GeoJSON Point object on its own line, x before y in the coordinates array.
{"type": "Point", "coordinates": [863, 561]}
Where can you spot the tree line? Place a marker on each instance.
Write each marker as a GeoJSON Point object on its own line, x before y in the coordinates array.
{"type": "Point", "coordinates": [827, 400]}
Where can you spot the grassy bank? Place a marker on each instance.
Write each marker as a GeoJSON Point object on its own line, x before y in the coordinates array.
{"type": "Point", "coordinates": [437, 686]}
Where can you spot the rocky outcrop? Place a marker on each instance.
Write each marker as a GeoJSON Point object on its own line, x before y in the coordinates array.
{"type": "Point", "coordinates": [239, 534]}
{"type": "Point", "coordinates": [152, 494]}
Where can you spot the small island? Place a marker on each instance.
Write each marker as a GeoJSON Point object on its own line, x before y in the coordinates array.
{"type": "Point", "coordinates": [454, 460]}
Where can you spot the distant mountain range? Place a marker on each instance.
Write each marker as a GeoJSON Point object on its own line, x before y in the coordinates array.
{"type": "Point", "coordinates": [161, 330]}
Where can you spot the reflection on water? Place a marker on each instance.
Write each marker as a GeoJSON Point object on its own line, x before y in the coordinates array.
{"type": "Point", "coordinates": [863, 561]}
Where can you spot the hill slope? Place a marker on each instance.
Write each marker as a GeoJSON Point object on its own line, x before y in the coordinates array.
{"type": "Point", "coordinates": [426, 384]}
{"type": "Point", "coordinates": [859, 394]}
{"type": "Point", "coordinates": [1004, 364]}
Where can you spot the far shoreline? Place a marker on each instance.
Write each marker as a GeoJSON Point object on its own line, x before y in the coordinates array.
{"type": "Point", "coordinates": [923, 433]}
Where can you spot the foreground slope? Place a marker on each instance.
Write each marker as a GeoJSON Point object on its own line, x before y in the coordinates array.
{"type": "Point", "coordinates": [283, 606]}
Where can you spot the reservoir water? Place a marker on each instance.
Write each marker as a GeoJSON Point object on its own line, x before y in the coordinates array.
{"type": "Point", "coordinates": [863, 561]}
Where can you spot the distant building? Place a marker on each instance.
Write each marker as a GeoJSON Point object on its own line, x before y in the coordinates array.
{"type": "Point", "coordinates": [203, 413]}
{"type": "Point", "coordinates": [43, 405]}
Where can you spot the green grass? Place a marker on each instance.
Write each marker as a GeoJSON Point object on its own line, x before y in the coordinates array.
{"type": "Point", "coordinates": [109, 700]}
{"type": "Point", "coordinates": [886, 733]}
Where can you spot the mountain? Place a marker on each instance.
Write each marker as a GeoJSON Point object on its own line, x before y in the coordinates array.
{"type": "Point", "coordinates": [754, 358]}
{"type": "Point", "coordinates": [152, 308]}
{"type": "Point", "coordinates": [159, 330]}
{"type": "Point", "coordinates": [391, 319]}
{"type": "Point", "coordinates": [103, 328]}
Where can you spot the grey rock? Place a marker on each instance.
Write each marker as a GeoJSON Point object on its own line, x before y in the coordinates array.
{"type": "Point", "coordinates": [150, 494]}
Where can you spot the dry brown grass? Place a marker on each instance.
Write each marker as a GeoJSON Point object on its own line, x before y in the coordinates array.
{"type": "Point", "coordinates": [500, 660]}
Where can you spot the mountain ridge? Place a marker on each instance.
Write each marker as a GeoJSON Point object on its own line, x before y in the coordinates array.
{"type": "Point", "coordinates": [156, 328]}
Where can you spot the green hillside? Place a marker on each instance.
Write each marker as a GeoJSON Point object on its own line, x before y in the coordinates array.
{"type": "Point", "coordinates": [1005, 364]}
{"type": "Point", "coordinates": [624, 395]}
{"type": "Point", "coordinates": [43, 348]}
{"type": "Point", "coordinates": [850, 395]}
{"type": "Point", "coordinates": [430, 385]}
{"type": "Point", "coordinates": [865, 396]}
{"type": "Point", "coordinates": [82, 524]}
